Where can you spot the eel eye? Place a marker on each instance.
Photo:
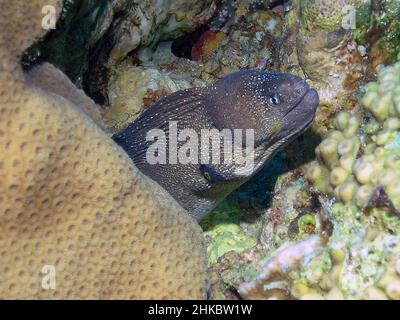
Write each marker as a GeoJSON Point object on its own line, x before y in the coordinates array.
{"type": "Point", "coordinates": [274, 99]}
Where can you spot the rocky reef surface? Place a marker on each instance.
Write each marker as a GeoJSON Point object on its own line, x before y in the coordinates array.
{"type": "Point", "coordinates": [320, 221]}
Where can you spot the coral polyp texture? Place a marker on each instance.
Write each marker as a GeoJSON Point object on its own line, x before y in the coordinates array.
{"type": "Point", "coordinates": [77, 219]}
{"type": "Point", "coordinates": [325, 14]}
{"type": "Point", "coordinates": [362, 154]}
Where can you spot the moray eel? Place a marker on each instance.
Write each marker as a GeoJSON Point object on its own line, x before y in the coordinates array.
{"type": "Point", "coordinates": [273, 107]}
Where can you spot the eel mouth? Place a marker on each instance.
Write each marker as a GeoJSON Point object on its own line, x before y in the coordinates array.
{"type": "Point", "coordinates": [296, 121]}
{"type": "Point", "coordinates": [299, 118]}
{"type": "Point", "coordinates": [309, 99]}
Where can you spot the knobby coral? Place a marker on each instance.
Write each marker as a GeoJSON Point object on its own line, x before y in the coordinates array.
{"type": "Point", "coordinates": [360, 156]}
{"type": "Point", "coordinates": [72, 205]}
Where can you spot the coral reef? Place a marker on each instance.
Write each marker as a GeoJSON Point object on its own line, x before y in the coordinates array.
{"type": "Point", "coordinates": [324, 14]}
{"type": "Point", "coordinates": [73, 208]}
{"type": "Point", "coordinates": [322, 33]}
{"type": "Point", "coordinates": [133, 88]}
{"type": "Point", "coordinates": [92, 36]}
{"type": "Point", "coordinates": [235, 225]}
{"type": "Point", "coordinates": [276, 236]}
{"type": "Point", "coordinates": [50, 79]}
{"type": "Point", "coordinates": [170, 18]}
{"type": "Point", "coordinates": [357, 166]}
{"type": "Point", "coordinates": [267, 283]}
{"type": "Point", "coordinates": [225, 234]}
{"type": "Point", "coordinates": [273, 224]}
{"type": "Point", "coordinates": [379, 28]}
{"type": "Point", "coordinates": [355, 255]}
{"type": "Point", "coordinates": [252, 39]}
{"type": "Point", "coordinates": [351, 265]}
{"type": "Point", "coordinates": [302, 36]}
{"type": "Point", "coordinates": [150, 72]}
{"type": "Point", "coordinates": [362, 153]}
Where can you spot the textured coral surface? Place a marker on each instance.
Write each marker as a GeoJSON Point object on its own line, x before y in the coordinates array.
{"type": "Point", "coordinates": [71, 200]}
{"type": "Point", "coordinates": [363, 151]}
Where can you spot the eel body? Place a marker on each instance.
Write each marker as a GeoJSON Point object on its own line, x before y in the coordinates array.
{"type": "Point", "coordinates": [254, 112]}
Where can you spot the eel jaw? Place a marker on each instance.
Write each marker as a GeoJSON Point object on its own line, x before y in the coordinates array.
{"type": "Point", "coordinates": [294, 123]}
{"type": "Point", "coordinates": [300, 117]}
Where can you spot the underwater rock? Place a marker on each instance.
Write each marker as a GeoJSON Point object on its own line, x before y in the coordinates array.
{"type": "Point", "coordinates": [146, 23]}
{"type": "Point", "coordinates": [357, 260]}
{"type": "Point", "coordinates": [339, 46]}
{"type": "Point", "coordinates": [224, 47]}
{"type": "Point", "coordinates": [249, 44]}
{"type": "Point", "coordinates": [322, 32]}
{"type": "Point", "coordinates": [324, 14]}
{"type": "Point", "coordinates": [131, 89]}
{"type": "Point", "coordinates": [241, 221]}
{"type": "Point", "coordinates": [91, 36]}
{"type": "Point", "coordinates": [276, 224]}
{"type": "Point", "coordinates": [271, 284]}
{"type": "Point", "coordinates": [225, 234]}
{"type": "Point", "coordinates": [81, 25]}
{"type": "Point", "coordinates": [255, 37]}
{"type": "Point", "coordinates": [380, 31]}
{"type": "Point", "coordinates": [278, 275]}
{"type": "Point", "coordinates": [320, 35]}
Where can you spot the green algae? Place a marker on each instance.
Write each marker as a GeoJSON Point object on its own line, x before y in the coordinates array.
{"type": "Point", "coordinates": [235, 224]}
{"type": "Point", "coordinates": [383, 21]}
{"type": "Point", "coordinates": [223, 229]}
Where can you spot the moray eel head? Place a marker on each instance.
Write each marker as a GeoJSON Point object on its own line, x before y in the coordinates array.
{"type": "Point", "coordinates": [278, 106]}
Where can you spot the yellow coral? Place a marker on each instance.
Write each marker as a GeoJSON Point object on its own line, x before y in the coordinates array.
{"type": "Point", "coordinates": [359, 157]}
{"type": "Point", "coordinates": [72, 200]}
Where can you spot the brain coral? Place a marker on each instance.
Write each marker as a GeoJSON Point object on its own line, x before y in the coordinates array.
{"type": "Point", "coordinates": [72, 205]}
